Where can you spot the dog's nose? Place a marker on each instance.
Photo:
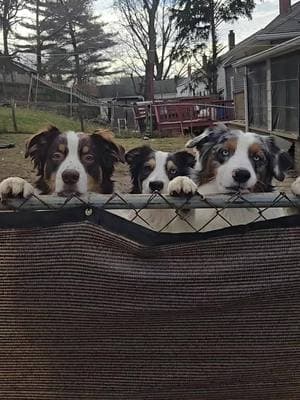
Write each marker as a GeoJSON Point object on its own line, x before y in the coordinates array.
{"type": "Point", "coordinates": [70, 176]}
{"type": "Point", "coordinates": [241, 175]}
{"type": "Point", "coordinates": [156, 185]}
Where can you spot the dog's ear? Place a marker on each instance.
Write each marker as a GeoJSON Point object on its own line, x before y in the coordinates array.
{"type": "Point", "coordinates": [210, 135]}
{"type": "Point", "coordinates": [37, 146]}
{"type": "Point", "coordinates": [135, 158]}
{"type": "Point", "coordinates": [185, 158]}
{"type": "Point", "coordinates": [137, 154]}
{"type": "Point", "coordinates": [105, 140]}
{"type": "Point", "coordinates": [281, 161]}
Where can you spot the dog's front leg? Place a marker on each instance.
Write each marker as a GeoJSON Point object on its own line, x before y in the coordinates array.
{"type": "Point", "coordinates": [296, 187]}
{"type": "Point", "coordinates": [184, 186]}
{"type": "Point", "coordinates": [15, 187]}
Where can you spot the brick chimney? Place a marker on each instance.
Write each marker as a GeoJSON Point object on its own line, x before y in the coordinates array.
{"type": "Point", "coordinates": [284, 7]}
{"type": "Point", "coordinates": [231, 40]}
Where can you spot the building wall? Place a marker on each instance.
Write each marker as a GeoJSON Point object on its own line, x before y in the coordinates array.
{"type": "Point", "coordinates": [229, 76]}
{"type": "Point", "coordinates": [158, 96]}
{"type": "Point", "coordinates": [239, 105]}
{"type": "Point", "coordinates": [221, 83]}
{"type": "Point", "coordinates": [183, 89]}
{"type": "Point", "coordinates": [16, 77]}
{"type": "Point", "coordinates": [297, 156]}
{"type": "Point", "coordinates": [234, 81]}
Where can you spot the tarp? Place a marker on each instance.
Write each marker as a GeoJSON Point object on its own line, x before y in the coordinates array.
{"type": "Point", "coordinates": [99, 308]}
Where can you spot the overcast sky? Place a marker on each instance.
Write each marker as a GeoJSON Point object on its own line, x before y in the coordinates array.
{"type": "Point", "coordinates": [264, 12]}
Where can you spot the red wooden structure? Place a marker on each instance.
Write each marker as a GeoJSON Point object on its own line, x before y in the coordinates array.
{"type": "Point", "coordinates": [171, 118]}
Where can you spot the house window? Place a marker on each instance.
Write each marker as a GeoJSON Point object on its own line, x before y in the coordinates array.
{"type": "Point", "coordinates": [285, 92]}
{"type": "Point", "coordinates": [257, 95]}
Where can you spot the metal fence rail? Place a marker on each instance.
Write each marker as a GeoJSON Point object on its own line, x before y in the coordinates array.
{"type": "Point", "coordinates": [171, 214]}
{"type": "Point", "coordinates": [154, 201]}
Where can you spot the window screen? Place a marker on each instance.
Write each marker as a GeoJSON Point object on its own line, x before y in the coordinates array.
{"type": "Point", "coordinates": [257, 95]}
{"type": "Point", "coordinates": [285, 92]}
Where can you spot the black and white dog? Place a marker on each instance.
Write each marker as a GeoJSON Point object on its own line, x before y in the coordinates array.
{"type": "Point", "coordinates": [152, 171]}
{"type": "Point", "coordinates": [68, 163]}
{"type": "Point", "coordinates": [232, 161]}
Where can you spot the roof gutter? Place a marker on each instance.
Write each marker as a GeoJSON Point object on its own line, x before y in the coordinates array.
{"type": "Point", "coordinates": [276, 36]}
{"type": "Point", "coordinates": [278, 50]}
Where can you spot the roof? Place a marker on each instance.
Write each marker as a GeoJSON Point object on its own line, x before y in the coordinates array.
{"type": "Point", "coordinates": [128, 87]}
{"type": "Point", "coordinates": [280, 49]}
{"type": "Point", "coordinates": [165, 86]}
{"type": "Point", "coordinates": [20, 64]}
{"type": "Point", "coordinates": [286, 23]}
{"type": "Point", "coordinates": [283, 27]}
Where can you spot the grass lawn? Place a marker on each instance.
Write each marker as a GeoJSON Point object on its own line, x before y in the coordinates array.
{"type": "Point", "coordinates": [31, 121]}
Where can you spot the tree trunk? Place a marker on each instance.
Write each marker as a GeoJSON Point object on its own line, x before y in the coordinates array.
{"type": "Point", "coordinates": [5, 27]}
{"type": "Point", "coordinates": [214, 40]}
{"type": "Point", "coordinates": [159, 71]}
{"type": "Point", "coordinates": [149, 88]}
{"type": "Point", "coordinates": [76, 55]}
{"type": "Point", "coordinates": [38, 40]}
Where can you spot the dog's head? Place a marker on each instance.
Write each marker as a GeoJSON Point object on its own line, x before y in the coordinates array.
{"type": "Point", "coordinates": [70, 162]}
{"type": "Point", "coordinates": [237, 161]}
{"type": "Point", "coordinates": [153, 170]}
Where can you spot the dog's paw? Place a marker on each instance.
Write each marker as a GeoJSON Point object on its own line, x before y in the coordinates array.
{"type": "Point", "coordinates": [182, 185]}
{"type": "Point", "coordinates": [296, 187]}
{"type": "Point", "coordinates": [15, 187]}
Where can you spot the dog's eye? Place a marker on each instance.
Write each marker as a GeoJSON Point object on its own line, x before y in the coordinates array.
{"type": "Point", "coordinates": [173, 171]}
{"type": "Point", "coordinates": [88, 158]}
{"type": "Point", "coordinates": [57, 156]}
{"type": "Point", "coordinates": [256, 158]}
{"type": "Point", "coordinates": [147, 169]}
{"type": "Point", "coordinates": [225, 153]}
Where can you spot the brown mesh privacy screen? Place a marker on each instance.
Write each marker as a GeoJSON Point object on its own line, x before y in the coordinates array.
{"type": "Point", "coordinates": [88, 314]}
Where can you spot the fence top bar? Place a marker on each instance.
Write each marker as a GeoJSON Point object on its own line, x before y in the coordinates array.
{"type": "Point", "coordinates": [155, 201]}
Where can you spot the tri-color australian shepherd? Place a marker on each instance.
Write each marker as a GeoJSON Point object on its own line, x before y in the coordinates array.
{"type": "Point", "coordinates": [68, 163]}
{"type": "Point", "coordinates": [152, 171]}
{"type": "Point", "coordinates": [231, 161]}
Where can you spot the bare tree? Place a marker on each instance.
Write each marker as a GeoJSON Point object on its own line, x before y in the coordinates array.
{"type": "Point", "coordinates": [149, 39]}
{"type": "Point", "coordinates": [9, 12]}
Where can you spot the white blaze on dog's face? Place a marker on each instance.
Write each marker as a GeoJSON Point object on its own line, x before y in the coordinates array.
{"type": "Point", "coordinates": [71, 173]}
{"type": "Point", "coordinates": [74, 162]}
{"type": "Point", "coordinates": [153, 170]}
{"type": "Point", "coordinates": [232, 161]}
{"type": "Point", "coordinates": [237, 157]}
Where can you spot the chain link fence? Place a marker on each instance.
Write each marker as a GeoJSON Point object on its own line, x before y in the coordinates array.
{"type": "Point", "coordinates": [164, 213]}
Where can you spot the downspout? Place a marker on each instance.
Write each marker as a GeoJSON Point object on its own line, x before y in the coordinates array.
{"type": "Point", "coordinates": [269, 95]}
{"type": "Point", "coordinates": [246, 100]}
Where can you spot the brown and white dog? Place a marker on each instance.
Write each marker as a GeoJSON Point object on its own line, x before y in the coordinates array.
{"type": "Point", "coordinates": [68, 163]}
{"type": "Point", "coordinates": [232, 161]}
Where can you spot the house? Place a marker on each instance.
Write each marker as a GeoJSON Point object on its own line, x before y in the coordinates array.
{"type": "Point", "coordinates": [284, 27]}
{"type": "Point", "coordinates": [133, 87]}
{"type": "Point", "coordinates": [186, 87]}
{"type": "Point", "coordinates": [14, 71]}
{"type": "Point", "coordinates": [262, 76]}
{"type": "Point", "coordinates": [14, 79]}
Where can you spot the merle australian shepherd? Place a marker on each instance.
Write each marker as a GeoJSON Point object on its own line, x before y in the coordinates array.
{"type": "Point", "coordinates": [68, 163]}
{"type": "Point", "coordinates": [152, 171]}
{"type": "Point", "coordinates": [231, 161]}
